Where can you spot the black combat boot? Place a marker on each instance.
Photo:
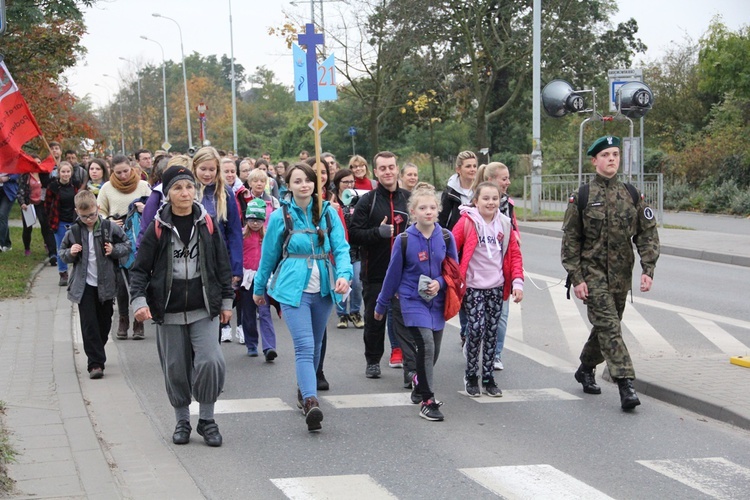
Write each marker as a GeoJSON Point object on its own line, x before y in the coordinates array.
{"type": "Point", "coordinates": [628, 397]}
{"type": "Point", "coordinates": [585, 376]}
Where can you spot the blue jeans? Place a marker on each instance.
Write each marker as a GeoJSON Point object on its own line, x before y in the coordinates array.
{"type": "Point", "coordinates": [249, 322]}
{"type": "Point", "coordinates": [62, 228]}
{"type": "Point", "coordinates": [391, 328]}
{"type": "Point", "coordinates": [5, 206]}
{"type": "Point", "coordinates": [306, 324]}
{"type": "Point", "coordinates": [462, 319]}
{"type": "Point", "coordinates": [355, 299]}
{"type": "Point", "coordinates": [502, 328]}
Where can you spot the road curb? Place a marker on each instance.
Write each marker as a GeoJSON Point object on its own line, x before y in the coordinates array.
{"type": "Point", "coordinates": [716, 410]}
{"type": "Point", "coordinates": [690, 253]}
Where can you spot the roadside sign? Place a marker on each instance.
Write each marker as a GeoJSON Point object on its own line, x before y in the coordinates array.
{"type": "Point", "coordinates": [318, 124]}
{"type": "Point", "coordinates": [618, 78]}
{"type": "Point", "coordinates": [166, 146]}
{"type": "Point", "coordinates": [352, 131]}
{"type": "Point", "coordinates": [3, 19]}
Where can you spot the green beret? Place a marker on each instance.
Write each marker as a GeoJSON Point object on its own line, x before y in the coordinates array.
{"type": "Point", "coordinates": [602, 143]}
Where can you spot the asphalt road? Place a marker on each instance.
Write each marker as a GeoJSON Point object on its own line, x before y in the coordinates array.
{"type": "Point", "coordinates": [544, 438]}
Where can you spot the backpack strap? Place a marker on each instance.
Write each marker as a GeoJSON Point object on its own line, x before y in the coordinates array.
{"type": "Point", "coordinates": [403, 237]}
{"type": "Point", "coordinates": [287, 235]}
{"type": "Point", "coordinates": [75, 230]}
{"type": "Point", "coordinates": [633, 192]}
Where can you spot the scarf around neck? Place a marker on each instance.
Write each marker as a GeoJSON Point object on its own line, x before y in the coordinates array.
{"type": "Point", "coordinates": [127, 186]}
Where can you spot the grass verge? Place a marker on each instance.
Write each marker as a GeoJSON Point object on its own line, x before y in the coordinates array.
{"type": "Point", "coordinates": [546, 215]}
{"type": "Point", "coordinates": [16, 267]}
{"type": "Point", "coordinates": [7, 455]}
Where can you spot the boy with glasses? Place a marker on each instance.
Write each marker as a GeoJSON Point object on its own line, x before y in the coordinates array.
{"type": "Point", "coordinates": [94, 246]}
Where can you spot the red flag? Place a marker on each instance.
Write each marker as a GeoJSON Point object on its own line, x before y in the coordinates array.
{"type": "Point", "coordinates": [17, 127]}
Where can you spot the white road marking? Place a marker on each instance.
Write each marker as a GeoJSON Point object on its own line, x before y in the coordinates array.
{"type": "Point", "coordinates": [693, 312]}
{"type": "Point", "coordinates": [369, 400]}
{"type": "Point", "coordinates": [245, 406]}
{"type": "Point", "coordinates": [533, 482]}
{"type": "Point", "coordinates": [575, 328]}
{"type": "Point", "coordinates": [717, 336]}
{"type": "Point", "coordinates": [515, 321]}
{"type": "Point", "coordinates": [538, 356]}
{"type": "Point", "coordinates": [646, 335]}
{"type": "Point", "coordinates": [361, 486]}
{"type": "Point", "coordinates": [716, 477]}
{"type": "Point", "coordinates": [527, 395]}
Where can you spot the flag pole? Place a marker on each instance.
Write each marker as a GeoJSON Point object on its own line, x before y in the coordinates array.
{"type": "Point", "coordinates": [318, 150]}
{"type": "Point", "coordinates": [46, 144]}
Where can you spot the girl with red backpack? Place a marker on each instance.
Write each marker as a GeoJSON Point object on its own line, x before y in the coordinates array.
{"type": "Point", "coordinates": [491, 261]}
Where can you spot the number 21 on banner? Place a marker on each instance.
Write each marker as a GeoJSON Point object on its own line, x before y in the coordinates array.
{"type": "Point", "coordinates": [327, 80]}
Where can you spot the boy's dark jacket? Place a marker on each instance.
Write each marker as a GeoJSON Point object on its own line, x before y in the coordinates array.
{"type": "Point", "coordinates": [169, 290]}
{"type": "Point", "coordinates": [364, 226]}
{"type": "Point", "coordinates": [106, 266]}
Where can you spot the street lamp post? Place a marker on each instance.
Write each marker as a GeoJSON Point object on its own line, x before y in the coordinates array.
{"type": "Point", "coordinates": [109, 121]}
{"type": "Point", "coordinates": [234, 89]}
{"type": "Point", "coordinates": [184, 79]}
{"type": "Point", "coordinates": [140, 119]}
{"type": "Point", "coordinates": [163, 86]}
{"type": "Point", "coordinates": [122, 122]}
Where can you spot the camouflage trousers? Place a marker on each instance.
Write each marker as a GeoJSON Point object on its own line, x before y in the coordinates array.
{"type": "Point", "coordinates": [605, 342]}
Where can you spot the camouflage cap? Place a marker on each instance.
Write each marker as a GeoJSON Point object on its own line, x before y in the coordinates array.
{"type": "Point", "coordinates": [602, 143]}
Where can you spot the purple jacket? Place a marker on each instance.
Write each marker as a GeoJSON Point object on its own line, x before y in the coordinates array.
{"type": "Point", "coordinates": [423, 256]}
{"type": "Point", "coordinates": [149, 212]}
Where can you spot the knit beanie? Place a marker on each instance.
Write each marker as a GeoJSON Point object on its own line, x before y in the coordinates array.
{"type": "Point", "coordinates": [256, 209]}
{"type": "Point", "coordinates": [174, 174]}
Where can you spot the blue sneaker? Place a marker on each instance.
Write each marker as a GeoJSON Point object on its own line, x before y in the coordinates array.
{"type": "Point", "coordinates": [252, 352]}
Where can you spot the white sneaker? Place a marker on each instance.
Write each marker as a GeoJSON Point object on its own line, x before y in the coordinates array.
{"type": "Point", "coordinates": [240, 334]}
{"type": "Point", "coordinates": [498, 365]}
{"type": "Point", "coordinates": [226, 333]}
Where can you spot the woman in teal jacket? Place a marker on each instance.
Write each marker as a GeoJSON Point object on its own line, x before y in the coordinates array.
{"type": "Point", "coordinates": [309, 268]}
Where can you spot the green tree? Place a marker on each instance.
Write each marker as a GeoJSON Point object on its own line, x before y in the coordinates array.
{"type": "Point", "coordinates": [43, 40]}
{"type": "Point", "coordinates": [724, 61]}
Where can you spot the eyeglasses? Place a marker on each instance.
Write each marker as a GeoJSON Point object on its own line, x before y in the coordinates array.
{"type": "Point", "coordinates": [90, 216]}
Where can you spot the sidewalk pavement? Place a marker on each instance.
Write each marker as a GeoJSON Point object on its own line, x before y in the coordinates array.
{"type": "Point", "coordinates": [75, 437]}
{"type": "Point", "coordinates": [79, 438]}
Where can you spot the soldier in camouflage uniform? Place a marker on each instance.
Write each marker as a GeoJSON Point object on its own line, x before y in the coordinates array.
{"type": "Point", "coordinates": [598, 255]}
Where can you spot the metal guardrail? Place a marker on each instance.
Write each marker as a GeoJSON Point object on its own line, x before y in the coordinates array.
{"type": "Point", "coordinates": [557, 188]}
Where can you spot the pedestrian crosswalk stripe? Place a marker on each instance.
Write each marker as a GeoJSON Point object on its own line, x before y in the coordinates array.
{"type": "Point", "coordinates": [693, 312]}
{"type": "Point", "coordinates": [244, 406]}
{"type": "Point", "coordinates": [361, 486]}
{"type": "Point", "coordinates": [539, 356]}
{"type": "Point", "coordinates": [532, 482]}
{"type": "Point", "coordinates": [717, 335]}
{"type": "Point", "coordinates": [369, 400]}
{"type": "Point", "coordinates": [646, 335]}
{"type": "Point", "coordinates": [527, 395]}
{"type": "Point", "coordinates": [574, 327]}
{"type": "Point", "coordinates": [716, 477]}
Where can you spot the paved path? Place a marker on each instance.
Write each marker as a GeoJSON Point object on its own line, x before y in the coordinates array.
{"type": "Point", "coordinates": [76, 438]}
{"type": "Point", "coordinates": [79, 438]}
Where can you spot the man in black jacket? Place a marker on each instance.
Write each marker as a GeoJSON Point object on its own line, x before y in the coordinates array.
{"type": "Point", "coordinates": [379, 217]}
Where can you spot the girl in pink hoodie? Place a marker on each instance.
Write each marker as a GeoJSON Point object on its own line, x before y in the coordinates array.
{"type": "Point", "coordinates": [491, 261]}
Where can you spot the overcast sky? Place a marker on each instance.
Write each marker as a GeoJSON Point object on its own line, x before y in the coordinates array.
{"type": "Point", "coordinates": [115, 26]}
